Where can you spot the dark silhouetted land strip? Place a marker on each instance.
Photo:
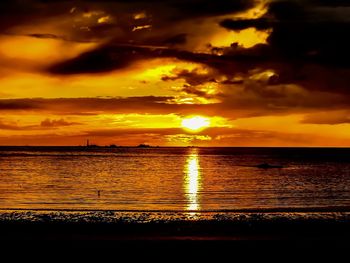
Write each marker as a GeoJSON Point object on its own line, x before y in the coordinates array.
{"type": "Point", "coordinates": [174, 226]}
{"type": "Point", "coordinates": [180, 236]}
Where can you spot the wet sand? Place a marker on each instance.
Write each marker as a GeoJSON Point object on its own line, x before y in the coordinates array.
{"type": "Point", "coordinates": [174, 226]}
{"type": "Point", "coordinates": [179, 236]}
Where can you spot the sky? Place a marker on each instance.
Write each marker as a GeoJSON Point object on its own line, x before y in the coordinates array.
{"type": "Point", "coordinates": [254, 72]}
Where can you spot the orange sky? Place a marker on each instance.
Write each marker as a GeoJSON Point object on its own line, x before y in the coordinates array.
{"type": "Point", "coordinates": [125, 74]}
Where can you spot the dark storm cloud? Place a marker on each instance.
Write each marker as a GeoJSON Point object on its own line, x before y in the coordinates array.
{"type": "Point", "coordinates": [333, 3]}
{"type": "Point", "coordinates": [243, 24]}
{"type": "Point", "coordinates": [117, 56]}
{"type": "Point", "coordinates": [187, 8]}
{"type": "Point", "coordinates": [18, 12]}
{"type": "Point", "coordinates": [307, 47]}
{"type": "Point", "coordinates": [308, 44]}
{"type": "Point", "coordinates": [78, 21]}
{"type": "Point", "coordinates": [22, 12]}
{"type": "Point", "coordinates": [101, 60]}
{"type": "Point", "coordinates": [176, 40]}
{"type": "Point", "coordinates": [305, 31]}
{"type": "Point", "coordinates": [209, 8]}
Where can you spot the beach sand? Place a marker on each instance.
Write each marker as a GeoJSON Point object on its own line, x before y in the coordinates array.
{"type": "Point", "coordinates": [158, 226]}
{"type": "Point", "coordinates": [175, 236]}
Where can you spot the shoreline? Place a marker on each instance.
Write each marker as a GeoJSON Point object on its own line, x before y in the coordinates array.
{"type": "Point", "coordinates": [159, 226]}
{"type": "Point", "coordinates": [311, 209]}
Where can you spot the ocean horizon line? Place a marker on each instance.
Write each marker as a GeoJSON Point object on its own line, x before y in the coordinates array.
{"type": "Point", "coordinates": [163, 146]}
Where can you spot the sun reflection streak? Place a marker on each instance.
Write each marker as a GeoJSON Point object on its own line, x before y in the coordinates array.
{"type": "Point", "coordinates": [192, 181]}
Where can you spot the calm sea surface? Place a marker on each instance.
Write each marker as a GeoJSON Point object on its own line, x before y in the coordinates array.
{"type": "Point", "coordinates": [173, 178]}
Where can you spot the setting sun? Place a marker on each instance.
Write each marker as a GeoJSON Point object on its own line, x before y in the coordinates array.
{"type": "Point", "coordinates": [195, 123]}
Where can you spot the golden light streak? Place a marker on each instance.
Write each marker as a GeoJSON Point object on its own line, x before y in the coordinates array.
{"type": "Point", "coordinates": [186, 139]}
{"type": "Point", "coordinates": [141, 15]}
{"type": "Point", "coordinates": [192, 181]}
{"type": "Point", "coordinates": [246, 38]}
{"type": "Point", "coordinates": [104, 19]}
{"type": "Point", "coordinates": [43, 51]}
{"type": "Point", "coordinates": [256, 12]}
{"type": "Point", "coordinates": [92, 13]}
{"type": "Point", "coordinates": [141, 27]}
{"type": "Point", "coordinates": [142, 120]}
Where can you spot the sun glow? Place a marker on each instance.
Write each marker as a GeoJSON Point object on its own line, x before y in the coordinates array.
{"type": "Point", "coordinates": [195, 123]}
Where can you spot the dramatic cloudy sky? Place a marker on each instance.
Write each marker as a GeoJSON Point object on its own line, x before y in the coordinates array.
{"type": "Point", "coordinates": [263, 72]}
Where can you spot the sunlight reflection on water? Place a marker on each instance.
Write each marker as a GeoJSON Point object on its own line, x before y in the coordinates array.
{"type": "Point", "coordinates": [192, 181]}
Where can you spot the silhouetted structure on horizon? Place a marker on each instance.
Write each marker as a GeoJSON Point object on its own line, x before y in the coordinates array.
{"type": "Point", "coordinates": [88, 145]}
{"type": "Point", "coordinates": [142, 145]}
{"type": "Point", "coordinates": [268, 166]}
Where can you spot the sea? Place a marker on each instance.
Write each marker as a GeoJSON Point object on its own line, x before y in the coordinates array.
{"type": "Point", "coordinates": [174, 179]}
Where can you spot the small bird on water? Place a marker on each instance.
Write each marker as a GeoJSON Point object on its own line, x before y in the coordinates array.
{"type": "Point", "coordinates": [98, 193]}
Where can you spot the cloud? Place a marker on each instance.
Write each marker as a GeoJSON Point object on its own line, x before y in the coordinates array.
{"type": "Point", "coordinates": [309, 58]}
{"type": "Point", "coordinates": [178, 39]}
{"type": "Point", "coordinates": [98, 106]}
{"type": "Point", "coordinates": [111, 56]}
{"type": "Point", "coordinates": [211, 136]}
{"type": "Point", "coordinates": [89, 17]}
{"type": "Point", "coordinates": [103, 59]}
{"type": "Point", "coordinates": [83, 106]}
{"type": "Point", "coordinates": [241, 24]}
{"type": "Point", "coordinates": [13, 126]}
{"type": "Point", "coordinates": [234, 102]}
{"type": "Point", "coordinates": [301, 65]}
{"type": "Point", "coordinates": [47, 123]}
{"type": "Point", "coordinates": [329, 117]}
{"type": "Point", "coordinates": [303, 30]}
{"type": "Point", "coordinates": [260, 90]}
{"type": "Point", "coordinates": [193, 77]}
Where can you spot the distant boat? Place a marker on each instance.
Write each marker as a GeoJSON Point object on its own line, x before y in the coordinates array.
{"type": "Point", "coordinates": [268, 166]}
